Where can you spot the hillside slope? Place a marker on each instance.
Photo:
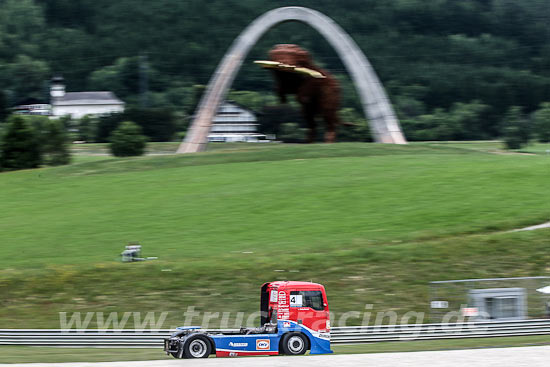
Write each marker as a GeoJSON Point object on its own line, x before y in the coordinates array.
{"type": "Point", "coordinates": [374, 223]}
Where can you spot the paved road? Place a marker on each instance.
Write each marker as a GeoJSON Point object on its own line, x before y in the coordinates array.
{"type": "Point", "coordinates": [498, 357]}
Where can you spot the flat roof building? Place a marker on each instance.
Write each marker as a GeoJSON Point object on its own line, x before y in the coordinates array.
{"type": "Point", "coordinates": [234, 123]}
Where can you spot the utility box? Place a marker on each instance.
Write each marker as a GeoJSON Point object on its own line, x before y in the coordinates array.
{"type": "Point", "coordinates": [489, 299]}
{"type": "Point", "coordinates": [131, 253]}
{"type": "Point", "coordinates": [499, 303]}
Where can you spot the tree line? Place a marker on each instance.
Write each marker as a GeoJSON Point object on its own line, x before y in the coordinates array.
{"type": "Point", "coordinates": [36, 141]}
{"type": "Point", "coordinates": [452, 69]}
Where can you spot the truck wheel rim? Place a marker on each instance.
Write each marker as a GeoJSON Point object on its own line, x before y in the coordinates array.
{"type": "Point", "coordinates": [295, 344]}
{"type": "Point", "coordinates": [197, 348]}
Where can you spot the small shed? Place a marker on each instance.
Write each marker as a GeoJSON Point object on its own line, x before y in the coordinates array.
{"type": "Point", "coordinates": [490, 299]}
{"type": "Point", "coordinates": [499, 303]}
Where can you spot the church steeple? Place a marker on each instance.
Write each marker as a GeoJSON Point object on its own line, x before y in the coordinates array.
{"type": "Point", "coordinates": [57, 87]}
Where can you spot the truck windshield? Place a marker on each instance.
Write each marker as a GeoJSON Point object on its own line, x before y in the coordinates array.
{"type": "Point", "coordinates": [313, 299]}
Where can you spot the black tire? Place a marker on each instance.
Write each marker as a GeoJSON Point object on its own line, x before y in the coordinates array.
{"type": "Point", "coordinates": [294, 344]}
{"type": "Point", "coordinates": [197, 346]}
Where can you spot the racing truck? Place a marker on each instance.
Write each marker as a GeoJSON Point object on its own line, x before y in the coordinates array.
{"type": "Point", "coordinates": [294, 318]}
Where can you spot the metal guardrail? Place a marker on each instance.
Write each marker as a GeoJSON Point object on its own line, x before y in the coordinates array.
{"type": "Point", "coordinates": [339, 335]}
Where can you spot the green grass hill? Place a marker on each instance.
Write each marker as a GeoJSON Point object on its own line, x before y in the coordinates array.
{"type": "Point", "coordinates": [374, 223]}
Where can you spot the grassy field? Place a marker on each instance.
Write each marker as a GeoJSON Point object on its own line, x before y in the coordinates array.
{"type": "Point", "coordinates": [59, 355]}
{"type": "Point", "coordinates": [495, 146]}
{"type": "Point", "coordinates": [374, 223]}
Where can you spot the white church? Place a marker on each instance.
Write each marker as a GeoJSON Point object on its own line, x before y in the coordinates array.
{"type": "Point", "coordinates": [73, 104]}
{"type": "Point", "coordinates": [80, 104]}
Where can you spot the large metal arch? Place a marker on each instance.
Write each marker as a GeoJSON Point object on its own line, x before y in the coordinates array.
{"type": "Point", "coordinates": [383, 123]}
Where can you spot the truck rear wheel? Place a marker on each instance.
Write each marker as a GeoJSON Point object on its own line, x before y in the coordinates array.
{"type": "Point", "coordinates": [294, 344]}
{"type": "Point", "coordinates": [197, 347]}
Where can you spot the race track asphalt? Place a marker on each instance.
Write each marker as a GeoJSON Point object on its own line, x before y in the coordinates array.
{"type": "Point", "coordinates": [502, 357]}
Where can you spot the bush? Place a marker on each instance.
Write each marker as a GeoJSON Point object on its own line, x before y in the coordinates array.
{"type": "Point", "coordinates": [516, 131]}
{"type": "Point", "coordinates": [127, 140]}
{"type": "Point", "coordinates": [37, 123]}
{"type": "Point", "coordinates": [20, 147]}
{"type": "Point", "coordinates": [180, 136]}
{"type": "Point", "coordinates": [354, 127]}
{"type": "Point", "coordinates": [462, 121]}
{"type": "Point", "coordinates": [541, 120]}
{"type": "Point", "coordinates": [466, 121]}
{"type": "Point", "coordinates": [292, 133]}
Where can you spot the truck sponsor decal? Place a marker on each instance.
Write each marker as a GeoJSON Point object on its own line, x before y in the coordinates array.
{"type": "Point", "coordinates": [231, 344]}
{"type": "Point", "coordinates": [283, 313]}
{"type": "Point", "coordinates": [262, 344]}
{"type": "Point", "coordinates": [282, 298]}
{"type": "Point", "coordinates": [295, 300]}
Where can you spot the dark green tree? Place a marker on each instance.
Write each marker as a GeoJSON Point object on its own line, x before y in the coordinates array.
{"type": "Point", "coordinates": [122, 78]}
{"type": "Point", "coordinates": [467, 121]}
{"type": "Point", "coordinates": [20, 146]}
{"type": "Point", "coordinates": [87, 129]}
{"type": "Point", "coordinates": [541, 121]}
{"type": "Point", "coordinates": [4, 111]}
{"type": "Point", "coordinates": [127, 140]}
{"type": "Point", "coordinates": [492, 51]}
{"type": "Point", "coordinates": [272, 118]}
{"type": "Point", "coordinates": [156, 123]}
{"type": "Point", "coordinates": [437, 125]}
{"type": "Point", "coordinates": [25, 76]}
{"type": "Point", "coordinates": [516, 131]}
{"type": "Point", "coordinates": [291, 132]}
{"type": "Point", "coordinates": [55, 146]}
{"type": "Point", "coordinates": [22, 25]}
{"type": "Point", "coordinates": [106, 125]}
{"type": "Point", "coordinates": [354, 127]}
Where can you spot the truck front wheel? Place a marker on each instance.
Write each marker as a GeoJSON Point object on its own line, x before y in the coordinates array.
{"type": "Point", "coordinates": [197, 347]}
{"type": "Point", "coordinates": [294, 344]}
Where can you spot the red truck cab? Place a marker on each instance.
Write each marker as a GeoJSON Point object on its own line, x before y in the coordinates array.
{"type": "Point", "coordinates": [303, 302]}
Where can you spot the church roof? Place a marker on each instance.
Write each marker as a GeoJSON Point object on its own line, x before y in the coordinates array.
{"type": "Point", "coordinates": [87, 98]}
